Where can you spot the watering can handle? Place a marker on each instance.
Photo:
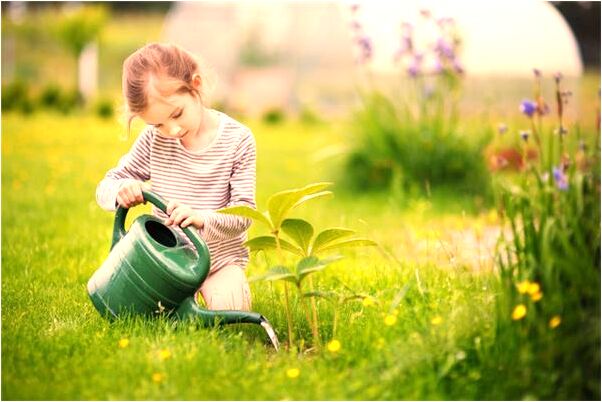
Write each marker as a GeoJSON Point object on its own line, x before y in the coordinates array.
{"type": "Point", "coordinates": [119, 226]}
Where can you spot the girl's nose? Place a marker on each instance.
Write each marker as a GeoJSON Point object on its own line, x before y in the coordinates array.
{"type": "Point", "coordinates": [175, 130]}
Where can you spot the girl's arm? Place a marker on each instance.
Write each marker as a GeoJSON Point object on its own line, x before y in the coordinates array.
{"type": "Point", "coordinates": [134, 166]}
{"type": "Point", "coordinates": [218, 226]}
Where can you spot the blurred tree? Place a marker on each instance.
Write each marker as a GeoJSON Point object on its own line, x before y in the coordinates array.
{"type": "Point", "coordinates": [81, 27]}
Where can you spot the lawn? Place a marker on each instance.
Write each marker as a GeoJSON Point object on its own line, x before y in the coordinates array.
{"type": "Point", "coordinates": [419, 335]}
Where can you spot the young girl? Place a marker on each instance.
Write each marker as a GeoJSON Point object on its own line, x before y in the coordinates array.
{"type": "Point", "coordinates": [198, 159]}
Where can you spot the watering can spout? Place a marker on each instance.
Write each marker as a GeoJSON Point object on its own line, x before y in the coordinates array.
{"type": "Point", "coordinates": [190, 310]}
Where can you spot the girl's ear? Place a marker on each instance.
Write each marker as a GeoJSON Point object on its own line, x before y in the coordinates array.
{"type": "Point", "coordinates": [197, 82]}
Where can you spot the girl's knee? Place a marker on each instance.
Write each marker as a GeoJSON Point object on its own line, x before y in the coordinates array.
{"type": "Point", "coordinates": [227, 290]}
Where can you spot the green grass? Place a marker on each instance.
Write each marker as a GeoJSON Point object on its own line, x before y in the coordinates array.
{"type": "Point", "coordinates": [56, 346]}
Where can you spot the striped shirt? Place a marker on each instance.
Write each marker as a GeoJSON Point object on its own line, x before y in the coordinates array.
{"type": "Point", "coordinates": [220, 175]}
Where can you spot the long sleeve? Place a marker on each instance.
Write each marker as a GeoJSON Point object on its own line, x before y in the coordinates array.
{"type": "Point", "coordinates": [242, 192]}
{"type": "Point", "coordinates": [135, 165]}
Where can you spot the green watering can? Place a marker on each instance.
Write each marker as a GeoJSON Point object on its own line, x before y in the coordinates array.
{"type": "Point", "coordinates": [151, 270]}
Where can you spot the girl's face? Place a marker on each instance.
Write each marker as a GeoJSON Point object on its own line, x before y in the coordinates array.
{"type": "Point", "coordinates": [175, 116]}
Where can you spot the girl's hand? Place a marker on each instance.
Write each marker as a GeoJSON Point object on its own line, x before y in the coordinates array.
{"type": "Point", "coordinates": [130, 193]}
{"type": "Point", "coordinates": [183, 215]}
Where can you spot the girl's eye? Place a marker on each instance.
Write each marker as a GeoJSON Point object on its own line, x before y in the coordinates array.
{"type": "Point", "coordinates": [179, 114]}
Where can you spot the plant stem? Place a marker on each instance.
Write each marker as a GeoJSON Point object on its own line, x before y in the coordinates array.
{"type": "Point", "coordinates": [286, 302]}
{"type": "Point", "coordinates": [314, 309]}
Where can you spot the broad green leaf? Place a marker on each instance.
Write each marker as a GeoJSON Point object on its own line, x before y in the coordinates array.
{"type": "Point", "coordinates": [330, 235]}
{"type": "Point", "coordinates": [345, 243]}
{"type": "Point", "coordinates": [269, 242]}
{"type": "Point", "coordinates": [280, 273]}
{"type": "Point", "coordinates": [281, 203]}
{"type": "Point", "coordinates": [300, 231]}
{"type": "Point", "coordinates": [321, 194]}
{"type": "Point", "coordinates": [309, 265]}
{"type": "Point", "coordinates": [247, 212]}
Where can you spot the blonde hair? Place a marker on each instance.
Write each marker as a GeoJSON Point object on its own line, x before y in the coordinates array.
{"type": "Point", "coordinates": [172, 64]}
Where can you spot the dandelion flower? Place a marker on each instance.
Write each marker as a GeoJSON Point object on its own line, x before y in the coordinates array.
{"type": "Point", "coordinates": [555, 321]}
{"type": "Point", "coordinates": [293, 373]}
{"type": "Point", "coordinates": [367, 302]}
{"type": "Point", "coordinates": [390, 320]}
{"type": "Point", "coordinates": [536, 296]}
{"type": "Point", "coordinates": [164, 354]}
{"type": "Point", "coordinates": [123, 343]}
{"type": "Point", "coordinates": [436, 320]}
{"type": "Point", "coordinates": [533, 288]}
{"type": "Point", "coordinates": [334, 346]}
{"type": "Point", "coordinates": [158, 377]}
{"type": "Point", "coordinates": [523, 287]}
{"type": "Point", "coordinates": [519, 312]}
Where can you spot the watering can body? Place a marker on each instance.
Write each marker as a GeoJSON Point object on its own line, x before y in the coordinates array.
{"type": "Point", "coordinates": [151, 270]}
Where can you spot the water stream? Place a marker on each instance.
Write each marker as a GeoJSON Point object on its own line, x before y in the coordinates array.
{"type": "Point", "coordinates": [271, 334]}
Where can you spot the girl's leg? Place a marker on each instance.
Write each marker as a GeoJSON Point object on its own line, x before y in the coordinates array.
{"type": "Point", "coordinates": [227, 289]}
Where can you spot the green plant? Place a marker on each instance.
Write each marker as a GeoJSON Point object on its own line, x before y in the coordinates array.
{"type": "Point", "coordinates": [302, 242]}
{"type": "Point", "coordinates": [104, 108]}
{"type": "Point", "coordinates": [274, 116]}
{"type": "Point", "coordinates": [548, 313]}
{"type": "Point", "coordinates": [407, 133]}
{"type": "Point", "coordinates": [16, 96]}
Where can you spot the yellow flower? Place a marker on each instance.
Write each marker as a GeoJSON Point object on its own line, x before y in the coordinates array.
{"type": "Point", "coordinates": [492, 216]}
{"type": "Point", "coordinates": [334, 346]}
{"type": "Point", "coordinates": [368, 301]}
{"type": "Point", "coordinates": [123, 343]}
{"type": "Point", "coordinates": [390, 319]}
{"type": "Point", "coordinates": [536, 296]}
{"type": "Point", "coordinates": [523, 287]}
{"type": "Point", "coordinates": [436, 320]}
{"type": "Point", "coordinates": [293, 373]}
{"type": "Point", "coordinates": [533, 288]}
{"type": "Point", "coordinates": [519, 312]}
{"type": "Point", "coordinates": [555, 321]}
{"type": "Point", "coordinates": [158, 377]}
{"type": "Point", "coordinates": [164, 354]}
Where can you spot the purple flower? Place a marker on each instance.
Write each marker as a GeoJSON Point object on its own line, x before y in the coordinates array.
{"type": "Point", "coordinates": [444, 48]}
{"type": "Point", "coordinates": [558, 77]}
{"type": "Point", "coordinates": [502, 128]}
{"type": "Point", "coordinates": [537, 72]}
{"type": "Point", "coordinates": [458, 66]}
{"type": "Point", "coordinates": [524, 134]}
{"type": "Point", "coordinates": [528, 107]}
{"type": "Point", "coordinates": [355, 25]}
{"type": "Point", "coordinates": [437, 66]}
{"type": "Point", "coordinates": [355, 7]}
{"type": "Point", "coordinates": [365, 45]}
{"type": "Point", "coordinates": [560, 178]}
{"type": "Point", "coordinates": [414, 69]}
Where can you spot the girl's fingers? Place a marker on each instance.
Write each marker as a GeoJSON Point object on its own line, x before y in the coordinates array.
{"type": "Point", "coordinates": [171, 205]}
{"type": "Point", "coordinates": [187, 222]}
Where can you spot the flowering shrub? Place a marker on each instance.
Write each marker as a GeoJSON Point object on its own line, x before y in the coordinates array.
{"type": "Point", "coordinates": [411, 137]}
{"type": "Point", "coordinates": [548, 332]}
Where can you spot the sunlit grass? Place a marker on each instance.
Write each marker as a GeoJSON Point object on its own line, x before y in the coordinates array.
{"type": "Point", "coordinates": [55, 345]}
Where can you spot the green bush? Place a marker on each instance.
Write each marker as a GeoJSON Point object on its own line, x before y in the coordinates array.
{"type": "Point", "coordinates": [16, 96]}
{"type": "Point", "coordinates": [51, 97]}
{"type": "Point", "coordinates": [104, 108]}
{"type": "Point", "coordinates": [394, 149]}
{"type": "Point", "coordinates": [547, 343]}
{"type": "Point", "coordinates": [409, 137]}
{"type": "Point", "coordinates": [274, 116]}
